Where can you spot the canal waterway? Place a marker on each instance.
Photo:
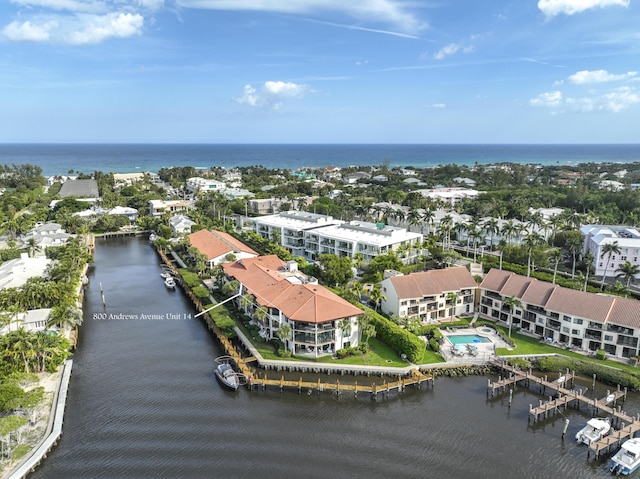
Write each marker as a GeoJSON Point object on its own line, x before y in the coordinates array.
{"type": "Point", "coordinates": [144, 403]}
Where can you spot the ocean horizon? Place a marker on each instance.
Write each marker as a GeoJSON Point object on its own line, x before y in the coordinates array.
{"type": "Point", "coordinates": [64, 158]}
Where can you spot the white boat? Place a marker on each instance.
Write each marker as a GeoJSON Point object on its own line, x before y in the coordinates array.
{"type": "Point", "coordinates": [170, 282]}
{"type": "Point", "coordinates": [627, 459]}
{"type": "Point", "coordinates": [595, 430]}
{"type": "Point", "coordinates": [227, 376]}
{"type": "Point", "coordinates": [166, 274]}
{"type": "Point", "coordinates": [152, 237]}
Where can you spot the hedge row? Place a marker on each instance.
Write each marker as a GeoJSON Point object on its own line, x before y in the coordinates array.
{"type": "Point", "coordinates": [400, 340]}
{"type": "Point", "coordinates": [603, 373]}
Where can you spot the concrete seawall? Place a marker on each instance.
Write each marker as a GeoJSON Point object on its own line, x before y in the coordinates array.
{"type": "Point", "coordinates": [54, 428]}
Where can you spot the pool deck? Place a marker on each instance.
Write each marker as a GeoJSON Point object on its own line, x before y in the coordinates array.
{"type": "Point", "coordinates": [472, 353]}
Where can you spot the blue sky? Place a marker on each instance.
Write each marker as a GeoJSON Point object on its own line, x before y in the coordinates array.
{"type": "Point", "coordinates": [320, 71]}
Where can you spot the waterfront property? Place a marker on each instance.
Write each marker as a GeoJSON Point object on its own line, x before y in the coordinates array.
{"type": "Point", "coordinates": [579, 320]}
{"type": "Point", "coordinates": [218, 246]}
{"type": "Point", "coordinates": [430, 296]}
{"type": "Point", "coordinates": [321, 322]}
{"type": "Point", "coordinates": [158, 207]}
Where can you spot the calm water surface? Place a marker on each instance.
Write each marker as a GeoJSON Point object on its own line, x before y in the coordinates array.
{"type": "Point", "coordinates": [144, 404]}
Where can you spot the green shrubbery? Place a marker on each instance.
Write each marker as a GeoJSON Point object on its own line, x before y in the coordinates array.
{"type": "Point", "coordinates": [190, 278]}
{"type": "Point", "coordinates": [400, 340]}
{"type": "Point", "coordinates": [351, 351]}
{"type": "Point", "coordinates": [589, 368]}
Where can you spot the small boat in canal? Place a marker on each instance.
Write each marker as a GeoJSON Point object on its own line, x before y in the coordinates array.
{"type": "Point", "coordinates": [227, 377]}
{"type": "Point", "coordinates": [170, 283]}
{"type": "Point", "coordinates": [596, 429]}
{"type": "Point", "coordinates": [627, 460]}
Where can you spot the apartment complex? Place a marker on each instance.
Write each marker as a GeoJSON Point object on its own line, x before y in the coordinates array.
{"type": "Point", "coordinates": [321, 322]}
{"type": "Point", "coordinates": [309, 235]}
{"type": "Point", "coordinates": [430, 296]}
{"type": "Point", "coordinates": [584, 321]}
{"type": "Point", "coordinates": [597, 236]}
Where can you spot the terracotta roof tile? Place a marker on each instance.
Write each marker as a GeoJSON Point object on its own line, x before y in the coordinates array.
{"type": "Point", "coordinates": [429, 283]}
{"type": "Point", "coordinates": [595, 307]}
{"type": "Point", "coordinates": [310, 303]}
{"type": "Point", "coordinates": [215, 244]}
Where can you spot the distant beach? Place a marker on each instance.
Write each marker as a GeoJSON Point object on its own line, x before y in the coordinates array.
{"type": "Point", "coordinates": [60, 159]}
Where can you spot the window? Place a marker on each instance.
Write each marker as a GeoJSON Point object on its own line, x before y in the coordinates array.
{"type": "Point", "coordinates": [623, 258]}
{"type": "Point", "coordinates": [575, 332]}
{"type": "Point", "coordinates": [577, 321]}
{"type": "Point", "coordinates": [608, 337]}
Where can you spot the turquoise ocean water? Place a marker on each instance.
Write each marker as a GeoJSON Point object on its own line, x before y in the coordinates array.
{"type": "Point", "coordinates": [129, 158]}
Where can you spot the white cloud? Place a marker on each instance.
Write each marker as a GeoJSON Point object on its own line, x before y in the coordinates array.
{"type": "Point", "coordinates": [551, 8]}
{"type": "Point", "coordinates": [613, 101]}
{"type": "Point", "coordinates": [392, 12]}
{"type": "Point", "coordinates": [452, 49]}
{"type": "Point", "coordinates": [547, 99]}
{"type": "Point", "coordinates": [598, 76]}
{"type": "Point", "coordinates": [438, 105]}
{"type": "Point", "coordinates": [272, 94]}
{"type": "Point", "coordinates": [99, 28]}
{"type": "Point", "coordinates": [28, 32]}
{"type": "Point", "coordinates": [77, 30]}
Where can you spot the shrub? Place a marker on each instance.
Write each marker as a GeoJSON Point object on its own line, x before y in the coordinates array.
{"type": "Point", "coordinates": [434, 345]}
{"type": "Point", "coordinates": [601, 354]}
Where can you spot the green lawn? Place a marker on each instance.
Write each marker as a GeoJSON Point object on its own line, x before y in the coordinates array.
{"type": "Point", "coordinates": [526, 345]}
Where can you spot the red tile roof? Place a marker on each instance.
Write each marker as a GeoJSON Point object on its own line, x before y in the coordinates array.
{"type": "Point", "coordinates": [600, 308]}
{"type": "Point", "coordinates": [429, 283]}
{"type": "Point", "coordinates": [215, 244]}
{"type": "Point", "coordinates": [305, 302]}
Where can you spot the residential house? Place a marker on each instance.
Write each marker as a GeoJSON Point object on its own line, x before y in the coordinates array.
{"type": "Point", "coordinates": [180, 225]}
{"type": "Point", "coordinates": [218, 245]}
{"type": "Point", "coordinates": [80, 189]}
{"type": "Point", "coordinates": [430, 296]}
{"type": "Point", "coordinates": [321, 322]}
{"type": "Point", "coordinates": [15, 272]}
{"type": "Point", "coordinates": [576, 319]}
{"type": "Point", "coordinates": [32, 320]}
{"type": "Point", "coordinates": [158, 207]}
{"type": "Point", "coordinates": [130, 213]}
{"type": "Point", "coordinates": [197, 184]}
{"type": "Point", "coordinates": [47, 234]}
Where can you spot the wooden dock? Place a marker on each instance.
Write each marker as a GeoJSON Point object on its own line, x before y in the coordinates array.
{"type": "Point", "coordinates": [253, 379]}
{"type": "Point", "coordinates": [627, 426]}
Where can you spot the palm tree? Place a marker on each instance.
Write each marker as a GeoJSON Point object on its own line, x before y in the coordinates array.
{"type": "Point", "coordinates": [555, 255]}
{"type": "Point", "coordinates": [284, 333]}
{"type": "Point", "coordinates": [377, 296]}
{"type": "Point", "coordinates": [452, 298]}
{"type": "Point", "coordinates": [356, 289]}
{"type": "Point", "coordinates": [531, 240]}
{"type": "Point", "coordinates": [588, 259]}
{"type": "Point", "coordinates": [608, 249]}
{"type": "Point", "coordinates": [66, 316]}
{"type": "Point", "coordinates": [574, 244]}
{"type": "Point", "coordinates": [628, 271]}
{"type": "Point", "coordinates": [261, 313]}
{"type": "Point", "coordinates": [492, 227]}
{"type": "Point", "coordinates": [246, 300]}
{"type": "Point", "coordinates": [512, 303]}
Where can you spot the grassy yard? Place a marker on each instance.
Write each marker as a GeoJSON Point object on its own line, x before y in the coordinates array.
{"type": "Point", "coordinates": [526, 345]}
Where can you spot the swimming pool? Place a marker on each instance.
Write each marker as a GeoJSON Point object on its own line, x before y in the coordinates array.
{"type": "Point", "coordinates": [467, 339]}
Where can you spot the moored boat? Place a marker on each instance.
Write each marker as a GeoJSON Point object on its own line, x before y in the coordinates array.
{"type": "Point", "coordinates": [595, 430]}
{"type": "Point", "coordinates": [627, 459]}
{"type": "Point", "coordinates": [227, 377]}
{"type": "Point", "coordinates": [170, 282]}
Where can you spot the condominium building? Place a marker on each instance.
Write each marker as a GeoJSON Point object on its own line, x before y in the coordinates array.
{"type": "Point", "coordinates": [321, 322]}
{"type": "Point", "coordinates": [309, 235]}
{"type": "Point", "coordinates": [575, 319]}
{"type": "Point", "coordinates": [597, 236]}
{"type": "Point", "coordinates": [430, 296]}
